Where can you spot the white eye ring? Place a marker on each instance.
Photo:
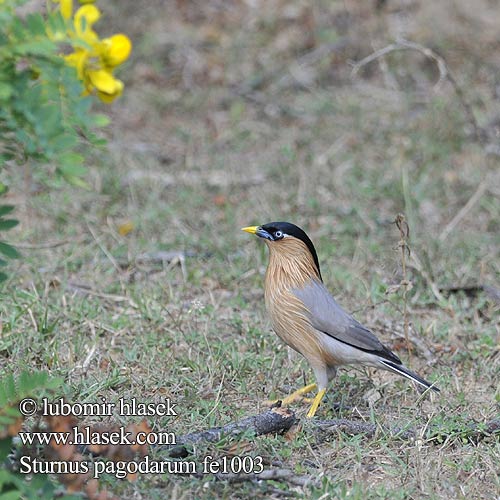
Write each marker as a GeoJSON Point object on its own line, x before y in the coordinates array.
{"type": "Point", "coordinates": [278, 235]}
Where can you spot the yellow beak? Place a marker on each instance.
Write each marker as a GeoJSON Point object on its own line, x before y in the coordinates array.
{"type": "Point", "coordinates": [250, 229]}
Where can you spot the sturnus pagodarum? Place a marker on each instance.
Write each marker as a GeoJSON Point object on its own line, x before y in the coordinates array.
{"type": "Point", "coordinates": [307, 318]}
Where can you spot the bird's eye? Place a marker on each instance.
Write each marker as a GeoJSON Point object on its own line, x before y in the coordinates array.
{"type": "Point", "coordinates": [278, 235]}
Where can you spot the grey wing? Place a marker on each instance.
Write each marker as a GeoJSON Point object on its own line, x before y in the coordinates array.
{"type": "Point", "coordinates": [327, 316]}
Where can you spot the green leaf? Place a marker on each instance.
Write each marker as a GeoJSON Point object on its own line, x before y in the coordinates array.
{"type": "Point", "coordinates": [35, 24]}
{"type": "Point", "coordinates": [101, 120]}
{"type": "Point", "coordinates": [77, 181]}
{"type": "Point", "coordinates": [81, 107]}
{"type": "Point", "coordinates": [17, 28]}
{"type": "Point", "coordinates": [26, 140]}
{"type": "Point", "coordinates": [3, 277]}
{"type": "Point", "coordinates": [49, 119]}
{"type": "Point", "coordinates": [6, 209]}
{"type": "Point", "coordinates": [63, 142]}
{"type": "Point", "coordinates": [9, 251]}
{"type": "Point", "coordinates": [28, 382]}
{"type": "Point", "coordinates": [11, 495]}
{"type": "Point", "coordinates": [71, 164]}
{"type": "Point", "coordinates": [36, 47]}
{"type": "Point", "coordinates": [6, 91]}
{"type": "Point", "coordinates": [6, 157]}
{"type": "Point", "coordinates": [98, 142]}
{"type": "Point", "coordinates": [56, 23]}
{"type": "Point", "coordinates": [8, 224]}
{"type": "Point", "coordinates": [9, 386]}
{"type": "Point", "coordinates": [5, 449]}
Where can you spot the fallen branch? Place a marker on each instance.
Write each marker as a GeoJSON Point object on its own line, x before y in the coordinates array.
{"type": "Point", "coordinates": [278, 420]}
{"type": "Point", "coordinates": [271, 421]}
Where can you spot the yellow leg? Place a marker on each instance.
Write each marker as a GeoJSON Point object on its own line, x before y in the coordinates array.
{"type": "Point", "coordinates": [316, 402]}
{"type": "Point", "coordinates": [296, 395]}
{"type": "Point", "coordinates": [307, 400]}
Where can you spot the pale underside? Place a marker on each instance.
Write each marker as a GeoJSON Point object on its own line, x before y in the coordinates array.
{"type": "Point", "coordinates": [307, 318]}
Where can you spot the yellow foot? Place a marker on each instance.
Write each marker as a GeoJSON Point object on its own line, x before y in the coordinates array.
{"type": "Point", "coordinates": [316, 402]}
{"type": "Point", "coordinates": [295, 395]}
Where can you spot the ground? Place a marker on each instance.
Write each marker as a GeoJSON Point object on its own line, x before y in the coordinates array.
{"type": "Point", "coordinates": [240, 113]}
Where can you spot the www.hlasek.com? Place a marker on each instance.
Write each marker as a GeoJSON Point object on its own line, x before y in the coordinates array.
{"type": "Point", "coordinates": [85, 436]}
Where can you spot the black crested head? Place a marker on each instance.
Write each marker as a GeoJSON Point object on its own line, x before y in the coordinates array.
{"type": "Point", "coordinates": [278, 230]}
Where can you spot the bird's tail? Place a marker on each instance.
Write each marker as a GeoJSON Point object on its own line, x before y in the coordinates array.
{"type": "Point", "coordinates": [405, 372]}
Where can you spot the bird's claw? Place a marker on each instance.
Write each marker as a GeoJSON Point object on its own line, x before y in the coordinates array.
{"type": "Point", "coordinates": [297, 395]}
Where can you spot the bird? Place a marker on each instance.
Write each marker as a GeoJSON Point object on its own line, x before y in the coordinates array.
{"type": "Point", "coordinates": [305, 315]}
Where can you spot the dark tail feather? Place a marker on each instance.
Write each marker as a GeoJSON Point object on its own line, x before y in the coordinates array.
{"type": "Point", "coordinates": [402, 370]}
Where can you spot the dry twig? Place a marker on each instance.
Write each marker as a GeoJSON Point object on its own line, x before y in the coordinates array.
{"type": "Point", "coordinates": [281, 419]}
{"type": "Point", "coordinates": [463, 211]}
{"type": "Point", "coordinates": [271, 421]}
{"type": "Point", "coordinates": [444, 74]}
{"type": "Point", "coordinates": [49, 244]}
{"type": "Point", "coordinates": [80, 287]}
{"type": "Point", "coordinates": [404, 232]}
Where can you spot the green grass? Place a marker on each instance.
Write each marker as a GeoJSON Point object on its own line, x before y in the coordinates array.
{"type": "Point", "coordinates": [340, 160]}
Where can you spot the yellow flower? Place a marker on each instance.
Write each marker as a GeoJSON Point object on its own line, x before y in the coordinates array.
{"type": "Point", "coordinates": [66, 8]}
{"type": "Point", "coordinates": [115, 50]}
{"type": "Point", "coordinates": [105, 82]}
{"type": "Point", "coordinates": [78, 59]}
{"type": "Point", "coordinates": [95, 59]}
{"type": "Point", "coordinates": [85, 17]}
{"type": "Point", "coordinates": [108, 98]}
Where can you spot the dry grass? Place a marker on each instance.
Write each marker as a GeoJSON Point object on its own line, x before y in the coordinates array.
{"type": "Point", "coordinates": [228, 120]}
